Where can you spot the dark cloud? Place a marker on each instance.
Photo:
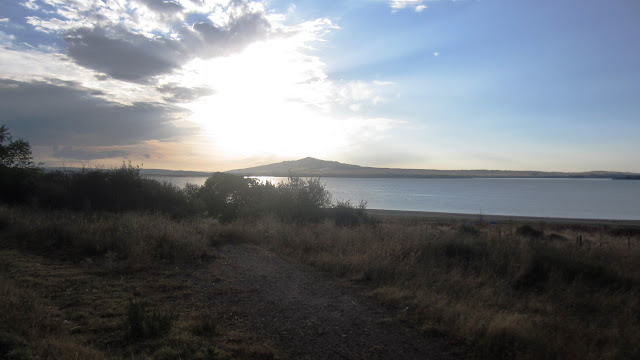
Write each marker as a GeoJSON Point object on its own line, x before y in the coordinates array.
{"type": "Point", "coordinates": [124, 55]}
{"type": "Point", "coordinates": [163, 7]}
{"type": "Point", "coordinates": [205, 40]}
{"type": "Point", "coordinates": [176, 93]}
{"type": "Point", "coordinates": [68, 152]}
{"type": "Point", "coordinates": [54, 112]}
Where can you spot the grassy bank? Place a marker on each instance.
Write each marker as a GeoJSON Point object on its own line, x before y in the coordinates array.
{"type": "Point", "coordinates": [548, 291]}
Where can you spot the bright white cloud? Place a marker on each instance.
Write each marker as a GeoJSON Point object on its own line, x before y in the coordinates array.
{"type": "Point", "coordinates": [401, 4]}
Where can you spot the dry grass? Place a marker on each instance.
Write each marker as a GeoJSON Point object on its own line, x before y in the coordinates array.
{"type": "Point", "coordinates": [505, 292]}
{"type": "Point", "coordinates": [126, 242]}
{"type": "Point", "coordinates": [506, 295]}
{"type": "Point", "coordinates": [111, 286]}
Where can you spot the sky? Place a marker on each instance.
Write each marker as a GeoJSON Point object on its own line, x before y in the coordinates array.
{"type": "Point", "coordinates": [216, 85]}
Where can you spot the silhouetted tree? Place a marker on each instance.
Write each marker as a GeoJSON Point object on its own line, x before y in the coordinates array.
{"type": "Point", "coordinates": [18, 174]}
{"type": "Point", "coordinates": [14, 153]}
{"type": "Point", "coordinates": [303, 200]}
{"type": "Point", "coordinates": [225, 195]}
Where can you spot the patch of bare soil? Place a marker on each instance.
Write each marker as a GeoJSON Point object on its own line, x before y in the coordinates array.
{"type": "Point", "coordinates": [305, 314]}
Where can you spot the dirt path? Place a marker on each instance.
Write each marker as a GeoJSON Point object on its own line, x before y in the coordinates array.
{"type": "Point", "coordinates": [307, 315]}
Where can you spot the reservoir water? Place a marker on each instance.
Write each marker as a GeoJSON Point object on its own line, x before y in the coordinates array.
{"type": "Point", "coordinates": [539, 197]}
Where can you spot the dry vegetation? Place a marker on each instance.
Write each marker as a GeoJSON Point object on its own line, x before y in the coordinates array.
{"type": "Point", "coordinates": [99, 276]}
{"type": "Point", "coordinates": [506, 290]}
{"type": "Point", "coordinates": [110, 286]}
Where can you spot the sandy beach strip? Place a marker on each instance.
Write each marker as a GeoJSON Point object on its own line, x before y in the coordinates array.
{"type": "Point", "coordinates": [496, 218]}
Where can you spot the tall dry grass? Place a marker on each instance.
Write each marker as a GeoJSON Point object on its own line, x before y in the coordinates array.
{"type": "Point", "coordinates": [122, 241]}
{"type": "Point", "coordinates": [506, 294]}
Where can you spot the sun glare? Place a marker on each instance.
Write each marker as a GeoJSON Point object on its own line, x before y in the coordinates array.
{"type": "Point", "coordinates": [269, 99]}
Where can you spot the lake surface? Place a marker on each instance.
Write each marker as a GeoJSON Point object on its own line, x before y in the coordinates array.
{"type": "Point", "coordinates": [566, 198]}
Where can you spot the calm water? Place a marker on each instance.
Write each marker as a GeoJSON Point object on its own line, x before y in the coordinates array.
{"type": "Point", "coordinates": [568, 198]}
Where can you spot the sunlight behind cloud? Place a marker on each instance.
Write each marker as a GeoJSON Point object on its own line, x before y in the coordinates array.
{"type": "Point", "coordinates": [275, 99]}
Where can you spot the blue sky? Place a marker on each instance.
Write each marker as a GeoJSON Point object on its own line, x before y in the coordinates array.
{"type": "Point", "coordinates": [219, 84]}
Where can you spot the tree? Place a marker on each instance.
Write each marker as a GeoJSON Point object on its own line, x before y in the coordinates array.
{"type": "Point", "coordinates": [303, 200]}
{"type": "Point", "coordinates": [14, 153]}
{"type": "Point", "coordinates": [18, 174]}
{"type": "Point", "coordinates": [225, 195]}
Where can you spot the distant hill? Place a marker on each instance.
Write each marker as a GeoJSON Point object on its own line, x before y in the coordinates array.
{"type": "Point", "coordinates": [321, 168]}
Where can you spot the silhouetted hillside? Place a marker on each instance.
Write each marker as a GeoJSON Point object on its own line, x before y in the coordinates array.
{"type": "Point", "coordinates": [314, 167]}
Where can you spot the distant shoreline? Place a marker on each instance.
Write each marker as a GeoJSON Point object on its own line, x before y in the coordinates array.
{"type": "Point", "coordinates": [501, 218]}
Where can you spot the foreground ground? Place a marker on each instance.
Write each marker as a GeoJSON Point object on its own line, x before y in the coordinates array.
{"type": "Point", "coordinates": [140, 286]}
{"type": "Point", "coordinates": [245, 303]}
{"type": "Point", "coordinates": [308, 315]}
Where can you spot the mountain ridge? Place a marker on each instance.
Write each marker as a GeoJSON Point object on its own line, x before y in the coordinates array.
{"type": "Point", "coordinates": [310, 167]}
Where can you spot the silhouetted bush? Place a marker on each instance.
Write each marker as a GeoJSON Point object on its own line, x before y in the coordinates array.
{"type": "Point", "coordinates": [302, 200]}
{"type": "Point", "coordinates": [228, 197]}
{"type": "Point", "coordinates": [348, 215]}
{"type": "Point", "coordinates": [528, 232]}
{"type": "Point", "coordinates": [624, 231]}
{"type": "Point", "coordinates": [547, 263]}
{"type": "Point", "coordinates": [115, 190]}
{"type": "Point", "coordinates": [18, 184]}
{"type": "Point", "coordinates": [556, 237]}
{"type": "Point", "coordinates": [225, 195]}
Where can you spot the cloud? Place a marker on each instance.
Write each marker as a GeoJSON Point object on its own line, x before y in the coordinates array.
{"type": "Point", "coordinates": [55, 112]}
{"type": "Point", "coordinates": [163, 7]}
{"type": "Point", "coordinates": [206, 40]}
{"type": "Point", "coordinates": [179, 94]}
{"type": "Point", "coordinates": [137, 40]}
{"type": "Point", "coordinates": [401, 4]}
{"type": "Point", "coordinates": [121, 54]}
{"type": "Point", "coordinates": [68, 152]}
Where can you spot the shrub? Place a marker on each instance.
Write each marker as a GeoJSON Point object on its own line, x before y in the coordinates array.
{"type": "Point", "coordinates": [228, 197]}
{"type": "Point", "coordinates": [547, 262]}
{"type": "Point", "coordinates": [116, 190]}
{"type": "Point", "coordinates": [302, 200]}
{"type": "Point", "coordinates": [347, 215]}
{"type": "Point", "coordinates": [528, 232]}
{"type": "Point", "coordinates": [225, 195]}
